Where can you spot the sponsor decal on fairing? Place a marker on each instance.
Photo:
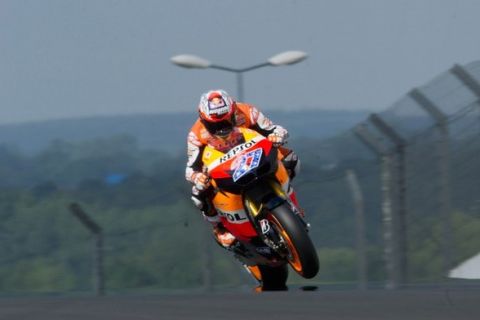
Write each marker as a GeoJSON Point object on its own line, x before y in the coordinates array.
{"type": "Point", "coordinates": [248, 162]}
{"type": "Point", "coordinates": [238, 149]}
{"type": "Point", "coordinates": [236, 217]}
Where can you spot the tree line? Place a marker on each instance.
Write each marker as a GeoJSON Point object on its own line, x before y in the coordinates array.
{"type": "Point", "coordinates": [155, 239]}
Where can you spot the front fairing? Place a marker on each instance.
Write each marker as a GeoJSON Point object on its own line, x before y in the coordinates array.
{"type": "Point", "coordinates": [246, 169]}
{"type": "Point", "coordinates": [234, 173]}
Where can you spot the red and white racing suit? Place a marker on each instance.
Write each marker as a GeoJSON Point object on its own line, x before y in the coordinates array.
{"type": "Point", "coordinates": [246, 116]}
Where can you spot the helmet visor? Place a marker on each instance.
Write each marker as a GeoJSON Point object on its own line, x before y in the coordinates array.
{"type": "Point", "coordinates": [220, 128]}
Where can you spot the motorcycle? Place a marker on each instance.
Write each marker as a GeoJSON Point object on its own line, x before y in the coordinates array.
{"type": "Point", "coordinates": [250, 193]}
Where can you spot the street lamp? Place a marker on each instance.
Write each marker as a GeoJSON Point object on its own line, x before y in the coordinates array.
{"type": "Point", "coordinates": [281, 59]}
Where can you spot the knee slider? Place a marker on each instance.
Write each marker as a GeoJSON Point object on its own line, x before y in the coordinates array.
{"type": "Point", "coordinates": [198, 199]}
{"type": "Point", "coordinates": [197, 202]}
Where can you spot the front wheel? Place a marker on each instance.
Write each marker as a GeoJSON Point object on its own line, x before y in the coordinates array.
{"type": "Point", "coordinates": [295, 241]}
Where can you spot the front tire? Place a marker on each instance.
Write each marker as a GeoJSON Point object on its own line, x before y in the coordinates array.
{"type": "Point", "coordinates": [301, 254]}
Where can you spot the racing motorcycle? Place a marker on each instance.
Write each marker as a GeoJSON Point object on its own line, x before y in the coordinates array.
{"type": "Point", "coordinates": [250, 193]}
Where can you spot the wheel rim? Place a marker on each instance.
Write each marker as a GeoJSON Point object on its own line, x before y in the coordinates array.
{"type": "Point", "coordinates": [293, 256]}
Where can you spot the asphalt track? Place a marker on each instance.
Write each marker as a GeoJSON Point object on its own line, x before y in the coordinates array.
{"type": "Point", "coordinates": [435, 304]}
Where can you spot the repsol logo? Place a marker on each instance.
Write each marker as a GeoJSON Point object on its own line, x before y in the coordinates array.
{"type": "Point", "coordinates": [238, 149]}
{"type": "Point", "coordinates": [237, 217]}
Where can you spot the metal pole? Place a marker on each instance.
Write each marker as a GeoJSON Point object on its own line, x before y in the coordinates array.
{"type": "Point", "coordinates": [443, 147]}
{"type": "Point", "coordinates": [96, 230]}
{"type": "Point", "coordinates": [391, 263]}
{"type": "Point", "coordinates": [448, 242]}
{"type": "Point", "coordinates": [98, 266]}
{"type": "Point", "coordinates": [400, 213]}
{"type": "Point", "coordinates": [391, 258]}
{"type": "Point", "coordinates": [361, 241]}
{"type": "Point", "coordinates": [239, 75]}
{"type": "Point", "coordinates": [240, 93]}
{"type": "Point", "coordinates": [466, 78]}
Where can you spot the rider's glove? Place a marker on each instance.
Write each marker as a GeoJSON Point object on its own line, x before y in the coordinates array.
{"type": "Point", "coordinates": [276, 139]}
{"type": "Point", "coordinates": [201, 181]}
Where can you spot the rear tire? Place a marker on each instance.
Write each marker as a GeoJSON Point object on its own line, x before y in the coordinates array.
{"type": "Point", "coordinates": [302, 256]}
{"type": "Point", "coordinates": [269, 278]}
{"type": "Point", "coordinates": [274, 278]}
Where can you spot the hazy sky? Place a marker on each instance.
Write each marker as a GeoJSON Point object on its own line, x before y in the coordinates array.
{"type": "Point", "coordinates": [65, 58]}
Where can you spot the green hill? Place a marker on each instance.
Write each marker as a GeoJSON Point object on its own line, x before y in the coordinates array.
{"type": "Point", "coordinates": [161, 131]}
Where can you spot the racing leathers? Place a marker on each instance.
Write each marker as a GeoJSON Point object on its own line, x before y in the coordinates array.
{"type": "Point", "coordinates": [247, 116]}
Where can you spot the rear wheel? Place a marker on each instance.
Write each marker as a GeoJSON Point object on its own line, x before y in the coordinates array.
{"type": "Point", "coordinates": [295, 241]}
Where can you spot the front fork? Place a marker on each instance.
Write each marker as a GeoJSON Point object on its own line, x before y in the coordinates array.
{"type": "Point", "coordinates": [261, 199]}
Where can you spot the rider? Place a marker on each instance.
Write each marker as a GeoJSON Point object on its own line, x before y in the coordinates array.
{"type": "Point", "coordinates": [219, 114]}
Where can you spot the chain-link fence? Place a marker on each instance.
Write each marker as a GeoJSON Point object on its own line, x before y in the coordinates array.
{"type": "Point", "coordinates": [412, 216]}
{"type": "Point", "coordinates": [421, 189]}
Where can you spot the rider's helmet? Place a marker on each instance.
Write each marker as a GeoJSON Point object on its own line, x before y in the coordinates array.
{"type": "Point", "coordinates": [217, 112]}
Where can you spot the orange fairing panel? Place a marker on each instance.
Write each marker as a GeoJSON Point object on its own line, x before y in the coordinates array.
{"type": "Point", "coordinates": [282, 176]}
{"type": "Point", "coordinates": [233, 216]}
{"type": "Point", "coordinates": [227, 202]}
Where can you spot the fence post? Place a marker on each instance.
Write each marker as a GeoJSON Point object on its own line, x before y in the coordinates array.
{"type": "Point", "coordinates": [466, 78]}
{"type": "Point", "coordinates": [400, 213]}
{"type": "Point", "coordinates": [391, 263]}
{"type": "Point", "coordinates": [97, 231]}
{"type": "Point", "coordinates": [443, 147]}
{"type": "Point", "coordinates": [360, 228]}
